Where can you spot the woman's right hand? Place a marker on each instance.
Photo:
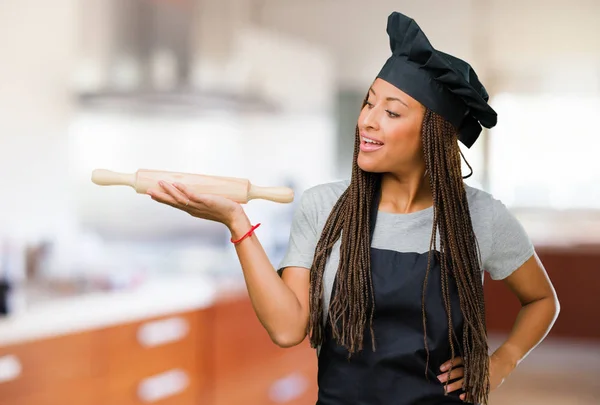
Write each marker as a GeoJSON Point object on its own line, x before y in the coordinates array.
{"type": "Point", "coordinates": [205, 206]}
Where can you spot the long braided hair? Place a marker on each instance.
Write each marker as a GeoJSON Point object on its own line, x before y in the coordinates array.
{"type": "Point", "coordinates": [352, 305]}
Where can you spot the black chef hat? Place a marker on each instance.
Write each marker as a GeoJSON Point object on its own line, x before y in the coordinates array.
{"type": "Point", "coordinates": [443, 83]}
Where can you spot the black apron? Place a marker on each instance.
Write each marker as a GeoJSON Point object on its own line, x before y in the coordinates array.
{"type": "Point", "coordinates": [394, 374]}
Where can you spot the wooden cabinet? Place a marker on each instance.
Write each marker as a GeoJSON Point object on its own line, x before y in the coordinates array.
{"type": "Point", "coordinates": [156, 360]}
{"type": "Point", "coordinates": [82, 391]}
{"type": "Point", "coordinates": [177, 385]}
{"type": "Point", "coordinates": [39, 372]}
{"type": "Point", "coordinates": [289, 378]}
{"type": "Point", "coordinates": [239, 341]}
{"type": "Point", "coordinates": [251, 370]}
{"type": "Point", "coordinates": [219, 355]}
{"type": "Point", "coordinates": [575, 274]}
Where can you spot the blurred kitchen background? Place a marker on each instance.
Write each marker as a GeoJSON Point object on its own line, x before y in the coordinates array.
{"type": "Point", "coordinates": [111, 298]}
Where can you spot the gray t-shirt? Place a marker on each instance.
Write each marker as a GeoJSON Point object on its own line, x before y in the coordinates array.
{"type": "Point", "coordinates": [503, 243]}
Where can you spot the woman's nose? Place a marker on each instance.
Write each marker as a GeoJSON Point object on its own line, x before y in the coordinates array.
{"type": "Point", "coordinates": [370, 119]}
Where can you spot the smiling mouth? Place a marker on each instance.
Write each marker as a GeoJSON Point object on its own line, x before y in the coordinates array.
{"type": "Point", "coordinates": [370, 141]}
{"type": "Point", "coordinates": [369, 145]}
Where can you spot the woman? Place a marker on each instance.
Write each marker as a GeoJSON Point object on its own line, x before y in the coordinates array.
{"type": "Point", "coordinates": [397, 316]}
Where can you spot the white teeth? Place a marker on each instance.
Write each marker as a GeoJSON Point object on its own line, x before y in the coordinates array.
{"type": "Point", "coordinates": [367, 140]}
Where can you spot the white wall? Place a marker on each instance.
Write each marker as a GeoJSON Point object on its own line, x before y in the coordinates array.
{"type": "Point", "coordinates": [37, 43]}
{"type": "Point", "coordinates": [525, 44]}
{"type": "Point", "coordinates": [267, 149]}
{"type": "Point", "coordinates": [42, 46]}
{"type": "Point", "coordinates": [541, 44]}
{"type": "Point", "coordinates": [355, 31]}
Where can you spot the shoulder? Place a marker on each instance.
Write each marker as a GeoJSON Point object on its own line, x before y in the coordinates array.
{"type": "Point", "coordinates": [316, 202]}
{"type": "Point", "coordinates": [479, 199]}
{"type": "Point", "coordinates": [504, 242]}
{"type": "Point", "coordinates": [482, 208]}
{"type": "Point", "coordinates": [322, 197]}
{"type": "Point", "coordinates": [485, 206]}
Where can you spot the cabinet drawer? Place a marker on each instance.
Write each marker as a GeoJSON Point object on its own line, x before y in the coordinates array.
{"type": "Point", "coordinates": [80, 392]}
{"type": "Point", "coordinates": [288, 379]}
{"type": "Point", "coordinates": [152, 345]}
{"type": "Point", "coordinates": [239, 339]}
{"type": "Point", "coordinates": [160, 361]}
{"type": "Point", "coordinates": [174, 386]}
{"type": "Point", "coordinates": [35, 366]}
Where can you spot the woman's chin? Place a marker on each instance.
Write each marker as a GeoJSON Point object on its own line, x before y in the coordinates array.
{"type": "Point", "coordinates": [368, 165]}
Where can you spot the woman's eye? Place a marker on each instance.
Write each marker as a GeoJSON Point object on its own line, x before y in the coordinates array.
{"type": "Point", "coordinates": [392, 114]}
{"type": "Point", "coordinates": [370, 105]}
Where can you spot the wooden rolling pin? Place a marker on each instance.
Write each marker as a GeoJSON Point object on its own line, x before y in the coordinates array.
{"type": "Point", "coordinates": [236, 189]}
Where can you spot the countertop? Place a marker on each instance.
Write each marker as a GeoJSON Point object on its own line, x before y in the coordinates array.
{"type": "Point", "coordinates": [154, 298]}
{"type": "Point", "coordinates": [164, 296]}
{"type": "Point", "coordinates": [561, 229]}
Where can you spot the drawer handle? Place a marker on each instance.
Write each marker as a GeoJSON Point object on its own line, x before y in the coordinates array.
{"type": "Point", "coordinates": [10, 368]}
{"type": "Point", "coordinates": [161, 332]}
{"type": "Point", "coordinates": [163, 385]}
{"type": "Point", "coordinates": [288, 388]}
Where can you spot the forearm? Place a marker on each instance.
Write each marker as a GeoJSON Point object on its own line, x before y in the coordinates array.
{"type": "Point", "coordinates": [531, 326]}
{"type": "Point", "coordinates": [275, 304]}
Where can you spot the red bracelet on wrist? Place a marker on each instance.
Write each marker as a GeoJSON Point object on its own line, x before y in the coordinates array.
{"type": "Point", "coordinates": [250, 232]}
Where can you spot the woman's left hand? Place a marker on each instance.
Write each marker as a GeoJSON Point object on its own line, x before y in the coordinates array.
{"type": "Point", "coordinates": [499, 370]}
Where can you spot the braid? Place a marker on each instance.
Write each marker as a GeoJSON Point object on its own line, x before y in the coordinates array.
{"type": "Point", "coordinates": [459, 251]}
{"type": "Point", "coordinates": [353, 295]}
{"type": "Point", "coordinates": [352, 306]}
